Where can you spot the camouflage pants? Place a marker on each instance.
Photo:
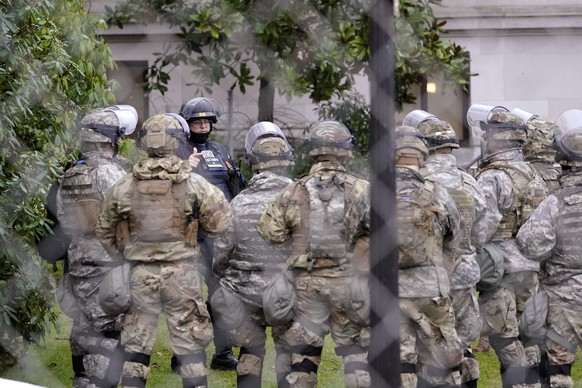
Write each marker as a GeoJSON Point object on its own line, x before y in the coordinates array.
{"type": "Point", "coordinates": [525, 284]}
{"type": "Point", "coordinates": [97, 353]}
{"type": "Point", "coordinates": [321, 308]}
{"type": "Point", "coordinates": [251, 336]}
{"type": "Point", "coordinates": [468, 324]}
{"type": "Point", "coordinates": [498, 310]}
{"type": "Point", "coordinates": [175, 289]}
{"type": "Point", "coordinates": [428, 339]}
{"type": "Point", "coordinates": [567, 324]}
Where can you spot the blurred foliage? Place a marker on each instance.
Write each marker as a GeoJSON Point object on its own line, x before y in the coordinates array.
{"type": "Point", "coordinates": [52, 69]}
{"type": "Point", "coordinates": [312, 47]}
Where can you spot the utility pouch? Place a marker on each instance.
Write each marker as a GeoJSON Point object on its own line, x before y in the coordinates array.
{"type": "Point", "coordinates": [115, 290]}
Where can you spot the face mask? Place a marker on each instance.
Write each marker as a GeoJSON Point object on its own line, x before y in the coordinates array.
{"type": "Point", "coordinates": [199, 138]}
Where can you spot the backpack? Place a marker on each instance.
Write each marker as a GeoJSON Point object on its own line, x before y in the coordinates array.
{"type": "Point", "coordinates": [81, 199]}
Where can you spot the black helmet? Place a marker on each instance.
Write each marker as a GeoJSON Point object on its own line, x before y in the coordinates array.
{"type": "Point", "coordinates": [202, 108]}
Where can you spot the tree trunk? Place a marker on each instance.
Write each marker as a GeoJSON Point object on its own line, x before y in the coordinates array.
{"type": "Point", "coordinates": [266, 100]}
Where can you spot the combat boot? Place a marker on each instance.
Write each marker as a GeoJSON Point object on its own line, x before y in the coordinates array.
{"type": "Point", "coordinates": [483, 346]}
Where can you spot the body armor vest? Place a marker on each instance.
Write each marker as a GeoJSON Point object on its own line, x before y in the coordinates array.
{"type": "Point", "coordinates": [549, 174]}
{"type": "Point", "coordinates": [417, 243]}
{"type": "Point", "coordinates": [327, 199]}
{"type": "Point", "coordinates": [81, 199]}
{"type": "Point", "coordinates": [462, 195]}
{"type": "Point", "coordinates": [529, 191]}
{"type": "Point", "coordinates": [158, 211]}
{"type": "Point", "coordinates": [569, 228]}
{"type": "Point", "coordinates": [252, 252]}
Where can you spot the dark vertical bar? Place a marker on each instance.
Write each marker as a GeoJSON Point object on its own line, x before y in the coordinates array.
{"type": "Point", "coordinates": [384, 353]}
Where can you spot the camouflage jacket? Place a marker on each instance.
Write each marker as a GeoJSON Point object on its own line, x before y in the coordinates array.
{"type": "Point", "coordinates": [88, 262]}
{"type": "Point", "coordinates": [442, 168]}
{"type": "Point", "coordinates": [416, 282]}
{"type": "Point", "coordinates": [552, 233]}
{"type": "Point", "coordinates": [287, 219]}
{"type": "Point", "coordinates": [242, 259]}
{"type": "Point", "coordinates": [203, 201]}
{"type": "Point", "coordinates": [499, 194]}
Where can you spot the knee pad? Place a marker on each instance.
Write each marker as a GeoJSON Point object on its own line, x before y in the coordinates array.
{"type": "Point", "coordinates": [184, 359]}
{"type": "Point", "coordinates": [137, 358]}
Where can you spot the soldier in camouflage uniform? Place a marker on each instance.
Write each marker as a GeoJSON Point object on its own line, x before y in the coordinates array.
{"type": "Point", "coordinates": [539, 150]}
{"type": "Point", "coordinates": [245, 263]}
{"type": "Point", "coordinates": [514, 188]}
{"type": "Point", "coordinates": [95, 335]}
{"type": "Point", "coordinates": [441, 167]}
{"type": "Point", "coordinates": [309, 213]}
{"type": "Point", "coordinates": [161, 205]}
{"type": "Point", "coordinates": [552, 233]}
{"type": "Point", "coordinates": [428, 220]}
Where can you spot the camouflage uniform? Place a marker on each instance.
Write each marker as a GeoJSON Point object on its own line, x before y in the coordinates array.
{"type": "Point", "coordinates": [539, 151]}
{"type": "Point", "coordinates": [427, 329]}
{"type": "Point", "coordinates": [245, 264]}
{"type": "Point", "coordinates": [322, 267]}
{"type": "Point", "coordinates": [501, 307]}
{"type": "Point", "coordinates": [95, 335]}
{"type": "Point", "coordinates": [163, 205]}
{"type": "Point", "coordinates": [553, 229]}
{"type": "Point", "coordinates": [464, 270]}
{"type": "Point", "coordinates": [429, 344]}
{"type": "Point", "coordinates": [552, 234]}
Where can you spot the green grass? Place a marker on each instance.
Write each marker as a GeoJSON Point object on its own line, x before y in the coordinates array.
{"type": "Point", "coordinates": [49, 365]}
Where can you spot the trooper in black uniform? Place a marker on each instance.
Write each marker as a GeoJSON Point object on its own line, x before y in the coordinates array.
{"type": "Point", "coordinates": [213, 161]}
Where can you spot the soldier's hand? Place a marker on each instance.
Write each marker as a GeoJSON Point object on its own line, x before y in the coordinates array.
{"type": "Point", "coordinates": [194, 159]}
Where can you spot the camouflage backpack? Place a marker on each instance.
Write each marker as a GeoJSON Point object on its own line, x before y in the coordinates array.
{"type": "Point", "coordinates": [81, 199]}
{"type": "Point", "coordinates": [416, 226]}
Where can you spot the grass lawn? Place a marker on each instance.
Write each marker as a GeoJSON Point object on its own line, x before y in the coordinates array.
{"type": "Point", "coordinates": [49, 365]}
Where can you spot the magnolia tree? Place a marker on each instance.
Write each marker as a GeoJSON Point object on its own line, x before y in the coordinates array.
{"type": "Point", "coordinates": [312, 47]}
{"type": "Point", "coordinates": [52, 68]}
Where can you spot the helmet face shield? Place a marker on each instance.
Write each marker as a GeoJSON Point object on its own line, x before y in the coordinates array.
{"type": "Point", "coordinates": [482, 113]}
{"type": "Point", "coordinates": [259, 130]}
{"type": "Point", "coordinates": [567, 121]}
{"type": "Point", "coordinates": [127, 119]}
{"type": "Point", "coordinates": [417, 117]}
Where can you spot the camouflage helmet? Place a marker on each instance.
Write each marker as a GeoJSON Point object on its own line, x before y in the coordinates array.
{"type": "Point", "coordinates": [107, 125]}
{"type": "Point", "coordinates": [270, 152]}
{"type": "Point", "coordinates": [504, 126]}
{"type": "Point", "coordinates": [410, 147]}
{"type": "Point", "coordinates": [161, 134]}
{"type": "Point", "coordinates": [539, 141]}
{"type": "Point", "coordinates": [202, 108]}
{"type": "Point", "coordinates": [330, 137]}
{"type": "Point", "coordinates": [438, 134]}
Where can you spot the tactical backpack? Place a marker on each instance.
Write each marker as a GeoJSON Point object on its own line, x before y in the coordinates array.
{"type": "Point", "coordinates": [81, 199]}
{"type": "Point", "coordinates": [416, 237]}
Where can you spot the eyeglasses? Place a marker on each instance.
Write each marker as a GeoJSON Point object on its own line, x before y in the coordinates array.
{"type": "Point", "coordinates": [200, 123]}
